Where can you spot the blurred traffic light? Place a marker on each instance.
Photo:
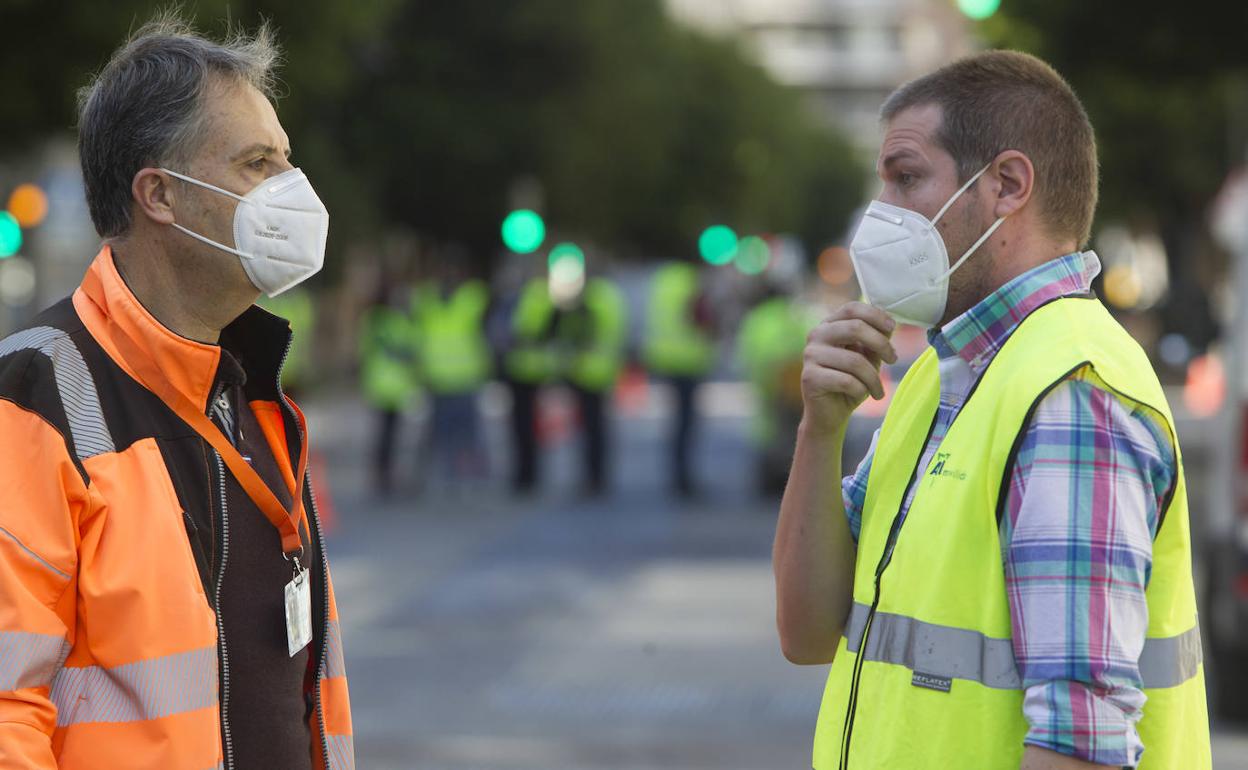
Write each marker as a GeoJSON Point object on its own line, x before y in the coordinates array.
{"type": "Point", "coordinates": [17, 281]}
{"type": "Point", "coordinates": [10, 235]}
{"type": "Point", "coordinates": [753, 255]}
{"type": "Point", "coordinates": [978, 9]}
{"type": "Point", "coordinates": [835, 266]}
{"type": "Point", "coordinates": [28, 204]}
{"type": "Point", "coordinates": [718, 244]}
{"type": "Point", "coordinates": [523, 231]}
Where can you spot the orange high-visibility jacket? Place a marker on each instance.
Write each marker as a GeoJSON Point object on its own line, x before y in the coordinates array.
{"type": "Point", "coordinates": [108, 638]}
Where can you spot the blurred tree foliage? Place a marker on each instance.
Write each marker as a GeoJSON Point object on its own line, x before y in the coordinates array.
{"type": "Point", "coordinates": [428, 114]}
{"type": "Point", "coordinates": [640, 133]}
{"type": "Point", "coordinates": [1166, 87]}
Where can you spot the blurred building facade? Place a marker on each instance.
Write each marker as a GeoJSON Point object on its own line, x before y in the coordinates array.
{"type": "Point", "coordinates": [846, 56]}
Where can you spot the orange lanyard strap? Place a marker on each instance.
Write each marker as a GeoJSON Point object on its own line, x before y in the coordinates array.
{"type": "Point", "coordinates": [150, 376]}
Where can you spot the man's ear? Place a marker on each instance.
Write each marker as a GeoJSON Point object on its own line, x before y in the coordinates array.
{"type": "Point", "coordinates": [1015, 177]}
{"type": "Point", "coordinates": [152, 190]}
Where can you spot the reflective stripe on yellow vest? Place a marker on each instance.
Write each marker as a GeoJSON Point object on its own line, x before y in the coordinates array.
{"type": "Point", "coordinates": [925, 675]}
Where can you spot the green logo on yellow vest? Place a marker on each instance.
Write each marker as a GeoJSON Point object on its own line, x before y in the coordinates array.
{"type": "Point", "coordinates": [938, 468]}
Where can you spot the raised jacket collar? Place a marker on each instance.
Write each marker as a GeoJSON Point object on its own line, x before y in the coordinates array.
{"type": "Point", "coordinates": [257, 338]}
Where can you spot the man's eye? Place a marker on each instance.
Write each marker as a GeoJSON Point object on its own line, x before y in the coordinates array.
{"type": "Point", "coordinates": [257, 164]}
{"type": "Point", "coordinates": [905, 180]}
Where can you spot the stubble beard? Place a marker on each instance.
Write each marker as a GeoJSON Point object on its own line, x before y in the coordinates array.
{"type": "Point", "coordinates": [971, 282]}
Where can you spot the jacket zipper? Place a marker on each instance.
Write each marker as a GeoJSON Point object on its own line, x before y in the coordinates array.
{"type": "Point", "coordinates": [316, 528]}
{"type": "Point", "coordinates": [314, 521]}
{"type": "Point", "coordinates": [885, 559]}
{"type": "Point", "coordinates": [226, 743]}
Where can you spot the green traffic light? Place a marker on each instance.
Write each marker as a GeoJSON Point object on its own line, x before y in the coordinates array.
{"type": "Point", "coordinates": [978, 9]}
{"type": "Point", "coordinates": [718, 244]}
{"type": "Point", "coordinates": [562, 251]}
{"type": "Point", "coordinates": [523, 231]}
{"type": "Point", "coordinates": [10, 235]}
{"type": "Point", "coordinates": [753, 255]}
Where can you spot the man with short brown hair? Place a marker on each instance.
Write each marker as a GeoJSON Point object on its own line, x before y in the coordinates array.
{"type": "Point", "coordinates": [1006, 579]}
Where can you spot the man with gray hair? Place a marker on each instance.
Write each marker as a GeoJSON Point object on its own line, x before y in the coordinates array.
{"type": "Point", "coordinates": [164, 596]}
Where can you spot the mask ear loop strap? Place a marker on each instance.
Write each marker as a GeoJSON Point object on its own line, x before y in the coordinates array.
{"type": "Point", "coordinates": [958, 194]}
{"type": "Point", "coordinates": [205, 185]}
{"type": "Point", "coordinates": [211, 242]}
{"type": "Point", "coordinates": [987, 234]}
{"type": "Point", "coordinates": [196, 235]}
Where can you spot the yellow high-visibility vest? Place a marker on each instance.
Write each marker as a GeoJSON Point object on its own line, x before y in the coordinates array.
{"type": "Point", "coordinates": [388, 367]}
{"type": "Point", "coordinates": [454, 354]}
{"type": "Point", "coordinates": [595, 363]}
{"type": "Point", "coordinates": [924, 676]}
{"type": "Point", "coordinates": [674, 346]}
{"type": "Point", "coordinates": [531, 357]}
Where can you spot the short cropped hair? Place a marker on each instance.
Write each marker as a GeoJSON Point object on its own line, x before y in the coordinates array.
{"type": "Point", "coordinates": [145, 107]}
{"type": "Point", "coordinates": [1005, 100]}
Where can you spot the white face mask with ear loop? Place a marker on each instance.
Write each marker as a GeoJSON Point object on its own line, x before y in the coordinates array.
{"type": "Point", "coordinates": [280, 229]}
{"type": "Point", "coordinates": [901, 261]}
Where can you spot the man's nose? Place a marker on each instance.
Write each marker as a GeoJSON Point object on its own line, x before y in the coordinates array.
{"type": "Point", "coordinates": [889, 196]}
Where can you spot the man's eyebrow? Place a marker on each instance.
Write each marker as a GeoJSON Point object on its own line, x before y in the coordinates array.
{"type": "Point", "coordinates": [897, 156]}
{"type": "Point", "coordinates": [257, 149]}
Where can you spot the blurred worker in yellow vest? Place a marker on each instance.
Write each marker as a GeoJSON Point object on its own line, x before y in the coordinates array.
{"type": "Point", "coordinates": [679, 348]}
{"type": "Point", "coordinates": [591, 329]}
{"type": "Point", "coordinates": [388, 376]}
{"type": "Point", "coordinates": [455, 363]}
{"type": "Point", "coordinates": [769, 351]}
{"type": "Point", "coordinates": [528, 361]}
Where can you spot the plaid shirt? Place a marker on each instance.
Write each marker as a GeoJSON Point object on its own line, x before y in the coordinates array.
{"type": "Point", "coordinates": [1092, 473]}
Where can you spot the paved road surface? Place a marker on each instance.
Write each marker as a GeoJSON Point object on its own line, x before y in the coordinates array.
{"type": "Point", "coordinates": [558, 633]}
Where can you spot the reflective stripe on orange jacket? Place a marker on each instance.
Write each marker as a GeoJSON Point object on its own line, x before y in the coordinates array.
{"type": "Point", "coordinates": [108, 638]}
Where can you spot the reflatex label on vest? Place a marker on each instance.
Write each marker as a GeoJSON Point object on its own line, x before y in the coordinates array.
{"type": "Point", "coordinates": [931, 682]}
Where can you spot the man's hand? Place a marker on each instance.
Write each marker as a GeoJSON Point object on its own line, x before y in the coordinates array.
{"type": "Point", "coordinates": [813, 556]}
{"type": "Point", "coordinates": [842, 364]}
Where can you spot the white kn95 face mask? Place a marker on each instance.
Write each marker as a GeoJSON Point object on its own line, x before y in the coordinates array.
{"type": "Point", "coordinates": [280, 228]}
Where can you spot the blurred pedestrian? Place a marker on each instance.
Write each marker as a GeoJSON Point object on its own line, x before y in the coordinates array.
{"type": "Point", "coordinates": [389, 377]}
{"type": "Point", "coordinates": [164, 596]}
{"type": "Point", "coordinates": [590, 332]}
{"type": "Point", "coordinates": [679, 347]}
{"type": "Point", "coordinates": [769, 350]}
{"type": "Point", "coordinates": [1006, 580]}
{"type": "Point", "coordinates": [449, 318]}
{"type": "Point", "coordinates": [530, 364]}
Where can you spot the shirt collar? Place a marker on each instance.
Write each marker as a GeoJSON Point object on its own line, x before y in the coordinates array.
{"type": "Point", "coordinates": [977, 335]}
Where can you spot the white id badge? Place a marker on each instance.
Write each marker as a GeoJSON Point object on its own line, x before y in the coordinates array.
{"type": "Point", "coordinates": [298, 612]}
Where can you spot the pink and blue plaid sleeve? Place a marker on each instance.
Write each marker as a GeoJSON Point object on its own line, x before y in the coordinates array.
{"type": "Point", "coordinates": [854, 490]}
{"type": "Point", "coordinates": [1082, 507]}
